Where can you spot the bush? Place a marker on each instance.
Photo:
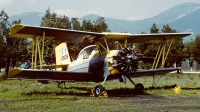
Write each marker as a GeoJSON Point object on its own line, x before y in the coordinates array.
{"type": "Point", "coordinates": [3, 77]}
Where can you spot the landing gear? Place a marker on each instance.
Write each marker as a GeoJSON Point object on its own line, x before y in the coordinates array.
{"type": "Point", "coordinates": [98, 90]}
{"type": "Point", "coordinates": [127, 62]}
{"type": "Point", "coordinates": [139, 88]}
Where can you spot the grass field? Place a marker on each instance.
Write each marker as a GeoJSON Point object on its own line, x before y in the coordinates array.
{"type": "Point", "coordinates": [21, 95]}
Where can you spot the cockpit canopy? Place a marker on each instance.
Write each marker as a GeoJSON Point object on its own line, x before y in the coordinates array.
{"type": "Point", "coordinates": [86, 52]}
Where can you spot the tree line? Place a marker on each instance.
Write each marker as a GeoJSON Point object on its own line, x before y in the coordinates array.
{"type": "Point", "coordinates": [16, 50]}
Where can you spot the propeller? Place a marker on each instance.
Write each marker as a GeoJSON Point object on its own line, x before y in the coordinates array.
{"type": "Point", "coordinates": [127, 60]}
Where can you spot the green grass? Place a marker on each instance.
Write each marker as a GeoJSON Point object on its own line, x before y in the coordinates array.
{"type": "Point", "coordinates": [23, 95]}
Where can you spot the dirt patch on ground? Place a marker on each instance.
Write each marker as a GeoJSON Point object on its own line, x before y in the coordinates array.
{"type": "Point", "coordinates": [162, 103]}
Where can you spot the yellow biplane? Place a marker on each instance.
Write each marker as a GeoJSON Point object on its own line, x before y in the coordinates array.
{"type": "Point", "coordinates": [95, 62]}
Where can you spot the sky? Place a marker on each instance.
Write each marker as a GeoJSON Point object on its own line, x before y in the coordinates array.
{"type": "Point", "coordinates": [119, 9]}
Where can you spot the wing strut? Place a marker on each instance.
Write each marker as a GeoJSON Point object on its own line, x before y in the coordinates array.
{"type": "Point", "coordinates": [107, 46]}
{"type": "Point", "coordinates": [162, 52]}
{"type": "Point", "coordinates": [99, 44]}
{"type": "Point", "coordinates": [37, 51]}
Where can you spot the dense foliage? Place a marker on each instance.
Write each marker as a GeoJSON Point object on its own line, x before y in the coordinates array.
{"type": "Point", "coordinates": [12, 50]}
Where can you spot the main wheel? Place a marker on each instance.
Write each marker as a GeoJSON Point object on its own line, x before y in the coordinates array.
{"type": "Point", "coordinates": [139, 88]}
{"type": "Point", "coordinates": [98, 90]}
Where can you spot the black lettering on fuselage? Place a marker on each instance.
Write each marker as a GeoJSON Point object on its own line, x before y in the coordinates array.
{"type": "Point", "coordinates": [64, 57]}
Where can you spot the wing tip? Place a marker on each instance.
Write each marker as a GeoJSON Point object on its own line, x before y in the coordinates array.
{"type": "Point", "coordinates": [14, 72]}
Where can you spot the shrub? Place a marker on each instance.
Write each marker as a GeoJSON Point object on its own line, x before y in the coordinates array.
{"type": "Point", "coordinates": [3, 77]}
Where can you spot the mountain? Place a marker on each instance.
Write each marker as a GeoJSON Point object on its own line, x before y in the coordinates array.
{"type": "Point", "coordinates": [28, 18]}
{"type": "Point", "coordinates": [183, 18]}
{"type": "Point", "coordinates": [115, 25]}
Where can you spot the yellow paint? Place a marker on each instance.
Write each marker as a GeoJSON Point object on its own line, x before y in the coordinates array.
{"type": "Point", "coordinates": [53, 66]}
{"type": "Point", "coordinates": [16, 28]}
{"type": "Point", "coordinates": [177, 90]}
{"type": "Point", "coordinates": [43, 44]}
{"type": "Point", "coordinates": [113, 71]}
{"type": "Point", "coordinates": [35, 61]}
{"type": "Point", "coordinates": [32, 60]}
{"type": "Point", "coordinates": [13, 72]}
{"type": "Point", "coordinates": [103, 94]}
{"type": "Point", "coordinates": [116, 36]}
{"type": "Point", "coordinates": [62, 60]}
{"type": "Point", "coordinates": [99, 44]}
{"type": "Point", "coordinates": [96, 54]}
{"type": "Point", "coordinates": [112, 53]}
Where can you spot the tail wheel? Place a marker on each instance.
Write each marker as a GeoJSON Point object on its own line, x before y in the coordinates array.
{"type": "Point", "coordinates": [139, 88]}
{"type": "Point", "coordinates": [98, 90]}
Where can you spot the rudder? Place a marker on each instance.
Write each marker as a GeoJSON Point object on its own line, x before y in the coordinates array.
{"type": "Point", "coordinates": [62, 55]}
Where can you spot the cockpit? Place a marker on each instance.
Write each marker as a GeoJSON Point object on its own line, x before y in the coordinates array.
{"type": "Point", "coordinates": [86, 52]}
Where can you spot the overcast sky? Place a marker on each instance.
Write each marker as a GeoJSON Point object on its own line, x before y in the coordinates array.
{"type": "Point", "coordinates": [119, 9]}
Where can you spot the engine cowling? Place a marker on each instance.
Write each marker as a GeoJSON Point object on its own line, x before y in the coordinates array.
{"type": "Point", "coordinates": [126, 61]}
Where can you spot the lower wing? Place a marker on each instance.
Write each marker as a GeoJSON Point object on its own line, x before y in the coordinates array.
{"type": "Point", "coordinates": [53, 66]}
{"type": "Point", "coordinates": [52, 75]}
{"type": "Point", "coordinates": [152, 72]}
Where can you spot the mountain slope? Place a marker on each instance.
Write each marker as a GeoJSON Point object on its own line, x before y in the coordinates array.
{"type": "Point", "coordinates": [177, 17]}
{"type": "Point", "coordinates": [28, 18]}
{"type": "Point", "coordinates": [184, 17]}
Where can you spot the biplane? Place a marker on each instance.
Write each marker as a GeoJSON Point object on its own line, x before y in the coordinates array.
{"type": "Point", "coordinates": [95, 62]}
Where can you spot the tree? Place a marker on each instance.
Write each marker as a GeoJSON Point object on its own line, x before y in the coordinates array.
{"type": "Point", "coordinates": [154, 29]}
{"type": "Point", "coordinates": [75, 24]}
{"type": "Point", "coordinates": [196, 48]}
{"type": "Point", "coordinates": [166, 29]}
{"type": "Point", "coordinates": [87, 25]}
{"type": "Point", "coordinates": [191, 49]}
{"type": "Point", "coordinates": [13, 49]}
{"type": "Point", "coordinates": [100, 25]}
{"type": "Point", "coordinates": [3, 18]}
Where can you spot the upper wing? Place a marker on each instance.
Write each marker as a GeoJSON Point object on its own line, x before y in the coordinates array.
{"type": "Point", "coordinates": [25, 31]}
{"type": "Point", "coordinates": [152, 72]}
{"type": "Point", "coordinates": [156, 37]}
{"type": "Point", "coordinates": [142, 38]}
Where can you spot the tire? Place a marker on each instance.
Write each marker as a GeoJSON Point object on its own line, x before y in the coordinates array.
{"type": "Point", "coordinates": [98, 90]}
{"type": "Point", "coordinates": [139, 88]}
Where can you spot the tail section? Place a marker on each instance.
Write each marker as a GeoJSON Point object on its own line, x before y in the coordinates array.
{"type": "Point", "coordinates": [62, 55]}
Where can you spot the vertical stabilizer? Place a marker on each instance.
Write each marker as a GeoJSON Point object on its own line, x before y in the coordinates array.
{"type": "Point", "coordinates": [62, 55]}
